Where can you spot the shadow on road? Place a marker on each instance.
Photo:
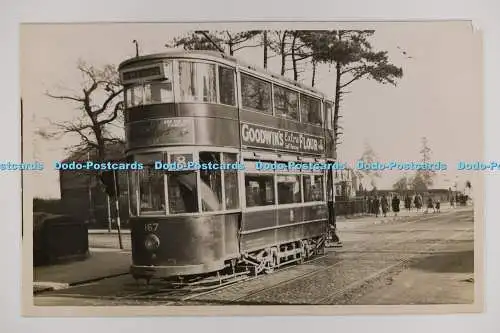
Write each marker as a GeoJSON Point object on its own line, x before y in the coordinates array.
{"type": "Point", "coordinates": [452, 262]}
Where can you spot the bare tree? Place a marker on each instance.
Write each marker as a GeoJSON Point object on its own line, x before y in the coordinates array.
{"type": "Point", "coordinates": [99, 106]}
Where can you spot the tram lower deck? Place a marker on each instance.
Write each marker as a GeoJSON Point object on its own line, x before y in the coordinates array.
{"type": "Point", "coordinates": [199, 222]}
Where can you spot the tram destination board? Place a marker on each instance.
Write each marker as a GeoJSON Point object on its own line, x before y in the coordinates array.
{"type": "Point", "coordinates": [160, 131]}
{"type": "Point", "coordinates": [272, 138]}
{"type": "Point", "coordinates": [142, 73]}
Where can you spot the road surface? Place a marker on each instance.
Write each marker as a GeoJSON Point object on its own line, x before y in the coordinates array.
{"type": "Point", "coordinates": [425, 259]}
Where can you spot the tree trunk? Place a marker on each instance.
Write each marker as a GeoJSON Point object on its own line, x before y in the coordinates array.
{"type": "Point", "coordinates": [336, 107]}
{"type": "Point", "coordinates": [265, 49]}
{"type": "Point", "coordinates": [313, 74]}
{"type": "Point", "coordinates": [294, 60]}
{"type": "Point", "coordinates": [283, 53]}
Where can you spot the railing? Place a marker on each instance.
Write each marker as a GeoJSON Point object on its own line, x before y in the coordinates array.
{"type": "Point", "coordinates": [351, 207]}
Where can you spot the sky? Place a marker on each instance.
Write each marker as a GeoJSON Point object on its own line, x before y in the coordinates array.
{"type": "Point", "coordinates": [439, 96]}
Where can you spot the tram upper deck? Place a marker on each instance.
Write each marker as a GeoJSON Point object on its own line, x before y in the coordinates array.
{"type": "Point", "coordinates": [203, 98]}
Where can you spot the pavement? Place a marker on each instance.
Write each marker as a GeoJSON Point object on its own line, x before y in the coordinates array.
{"type": "Point", "coordinates": [102, 263]}
{"type": "Point", "coordinates": [107, 260]}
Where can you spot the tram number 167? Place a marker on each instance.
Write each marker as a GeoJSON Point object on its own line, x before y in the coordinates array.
{"type": "Point", "coordinates": [150, 227]}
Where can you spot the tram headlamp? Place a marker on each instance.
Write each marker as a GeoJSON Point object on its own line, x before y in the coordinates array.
{"type": "Point", "coordinates": [151, 242]}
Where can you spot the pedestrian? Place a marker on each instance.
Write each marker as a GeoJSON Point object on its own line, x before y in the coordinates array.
{"type": "Point", "coordinates": [438, 206]}
{"type": "Point", "coordinates": [452, 201]}
{"type": "Point", "coordinates": [430, 205]}
{"type": "Point", "coordinates": [395, 205]}
{"type": "Point", "coordinates": [385, 205]}
{"type": "Point", "coordinates": [376, 206]}
{"type": "Point", "coordinates": [408, 203]}
{"type": "Point", "coordinates": [370, 205]}
{"type": "Point", "coordinates": [417, 202]}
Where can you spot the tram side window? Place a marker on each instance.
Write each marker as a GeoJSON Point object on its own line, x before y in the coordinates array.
{"type": "Point", "coordinates": [256, 94]}
{"type": "Point", "coordinates": [231, 182]}
{"type": "Point", "coordinates": [313, 188]}
{"type": "Point", "coordinates": [197, 82]}
{"type": "Point", "coordinates": [259, 190]}
{"type": "Point", "coordinates": [211, 183]}
{"type": "Point", "coordinates": [151, 190]}
{"type": "Point", "coordinates": [286, 102]}
{"type": "Point", "coordinates": [226, 86]}
{"type": "Point", "coordinates": [310, 110]}
{"type": "Point", "coordinates": [288, 189]}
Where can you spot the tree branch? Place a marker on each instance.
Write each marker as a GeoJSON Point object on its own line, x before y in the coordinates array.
{"type": "Point", "coordinates": [117, 108]}
{"type": "Point", "coordinates": [357, 77]}
{"type": "Point", "coordinates": [76, 99]}
{"type": "Point", "coordinates": [108, 100]}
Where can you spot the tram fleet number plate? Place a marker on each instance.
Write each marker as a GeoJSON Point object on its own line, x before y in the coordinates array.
{"type": "Point", "coordinates": [151, 227]}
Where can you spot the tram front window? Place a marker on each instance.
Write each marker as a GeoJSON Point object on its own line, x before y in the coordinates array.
{"type": "Point", "coordinates": [211, 183]}
{"type": "Point", "coordinates": [182, 197]}
{"type": "Point", "coordinates": [153, 92]}
{"type": "Point", "coordinates": [197, 82]}
{"type": "Point", "coordinates": [151, 191]}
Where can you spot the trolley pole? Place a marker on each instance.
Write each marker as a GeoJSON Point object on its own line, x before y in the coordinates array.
{"type": "Point", "coordinates": [117, 202]}
{"type": "Point", "coordinates": [136, 47]}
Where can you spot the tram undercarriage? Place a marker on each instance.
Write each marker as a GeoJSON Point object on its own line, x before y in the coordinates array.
{"type": "Point", "coordinates": [248, 265]}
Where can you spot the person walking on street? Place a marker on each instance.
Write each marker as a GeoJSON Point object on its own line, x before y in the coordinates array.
{"type": "Point", "coordinates": [418, 202]}
{"type": "Point", "coordinates": [408, 203]}
{"type": "Point", "coordinates": [376, 206]}
{"type": "Point", "coordinates": [438, 206]}
{"type": "Point", "coordinates": [385, 205]}
{"type": "Point", "coordinates": [395, 205]}
{"type": "Point", "coordinates": [430, 205]}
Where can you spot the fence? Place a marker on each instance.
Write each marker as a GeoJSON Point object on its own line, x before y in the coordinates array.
{"type": "Point", "coordinates": [351, 207]}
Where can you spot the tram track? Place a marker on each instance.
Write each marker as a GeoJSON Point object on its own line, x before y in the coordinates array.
{"type": "Point", "coordinates": [174, 296]}
{"type": "Point", "coordinates": [342, 261]}
{"type": "Point", "coordinates": [415, 235]}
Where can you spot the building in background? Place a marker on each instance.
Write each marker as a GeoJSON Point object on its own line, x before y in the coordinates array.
{"type": "Point", "coordinates": [83, 195]}
{"type": "Point", "coordinates": [346, 185]}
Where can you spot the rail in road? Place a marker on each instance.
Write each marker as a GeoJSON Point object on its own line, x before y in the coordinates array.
{"type": "Point", "coordinates": [329, 279]}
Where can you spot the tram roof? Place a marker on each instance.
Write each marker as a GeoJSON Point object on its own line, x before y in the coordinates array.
{"type": "Point", "coordinates": [220, 57]}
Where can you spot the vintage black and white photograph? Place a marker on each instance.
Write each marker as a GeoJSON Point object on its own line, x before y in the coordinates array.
{"type": "Point", "coordinates": [252, 168]}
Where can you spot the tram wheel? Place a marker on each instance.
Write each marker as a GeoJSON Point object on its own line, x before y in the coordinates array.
{"type": "Point", "coordinates": [302, 254]}
{"type": "Point", "coordinates": [271, 265]}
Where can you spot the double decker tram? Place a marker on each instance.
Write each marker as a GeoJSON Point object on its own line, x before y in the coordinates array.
{"type": "Point", "coordinates": [206, 108]}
